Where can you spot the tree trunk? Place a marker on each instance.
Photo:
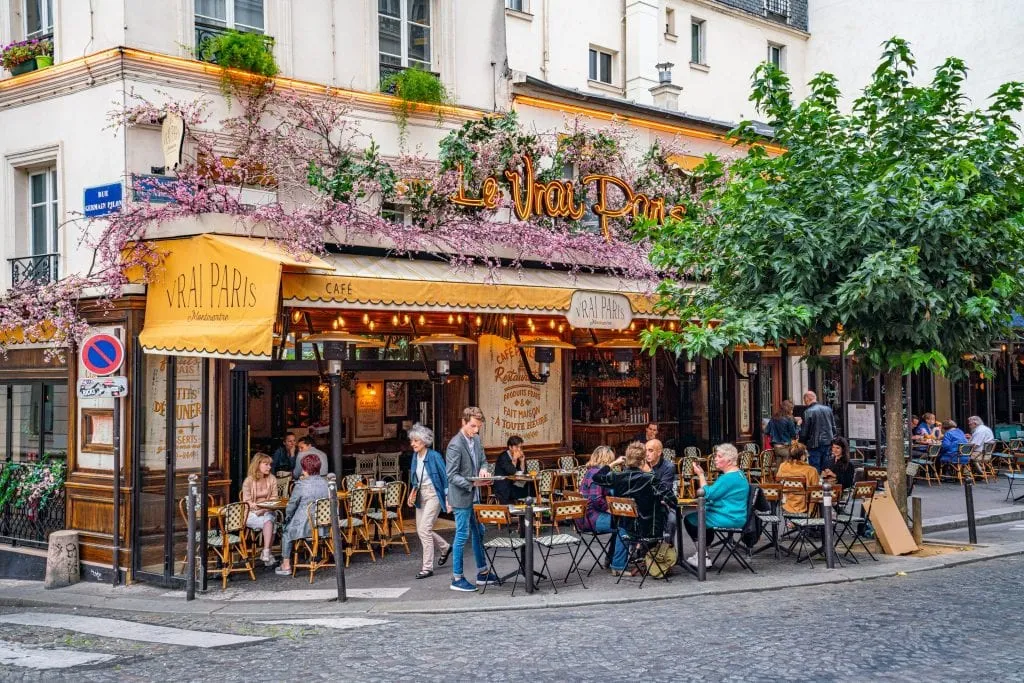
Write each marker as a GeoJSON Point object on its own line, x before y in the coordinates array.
{"type": "Point", "coordinates": [894, 424]}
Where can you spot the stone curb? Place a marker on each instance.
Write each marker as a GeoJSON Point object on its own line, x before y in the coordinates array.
{"type": "Point", "coordinates": [38, 597]}
{"type": "Point", "coordinates": [997, 516]}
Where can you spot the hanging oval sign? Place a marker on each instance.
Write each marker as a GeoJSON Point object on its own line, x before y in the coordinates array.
{"type": "Point", "coordinates": [599, 310]}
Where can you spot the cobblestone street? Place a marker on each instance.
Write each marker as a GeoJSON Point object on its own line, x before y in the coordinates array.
{"type": "Point", "coordinates": [962, 623]}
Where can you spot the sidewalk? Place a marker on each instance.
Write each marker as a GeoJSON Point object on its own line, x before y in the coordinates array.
{"type": "Point", "coordinates": [389, 587]}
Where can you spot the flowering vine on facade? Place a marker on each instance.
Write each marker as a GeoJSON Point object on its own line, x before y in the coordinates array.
{"type": "Point", "coordinates": [327, 180]}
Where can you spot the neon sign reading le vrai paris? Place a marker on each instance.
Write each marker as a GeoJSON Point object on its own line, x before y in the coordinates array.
{"type": "Point", "coordinates": [557, 199]}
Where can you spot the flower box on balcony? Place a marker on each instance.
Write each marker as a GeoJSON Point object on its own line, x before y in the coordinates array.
{"type": "Point", "coordinates": [27, 55]}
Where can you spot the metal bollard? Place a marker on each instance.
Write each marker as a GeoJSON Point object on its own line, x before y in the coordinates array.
{"type": "Point", "coordinates": [915, 507]}
{"type": "Point", "coordinates": [972, 531]}
{"type": "Point", "coordinates": [190, 561]}
{"type": "Point", "coordinates": [702, 538]}
{"type": "Point", "coordinates": [829, 531]}
{"type": "Point", "coordinates": [528, 548]}
{"type": "Point", "coordinates": [336, 539]}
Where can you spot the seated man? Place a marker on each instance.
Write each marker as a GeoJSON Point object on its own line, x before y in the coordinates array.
{"type": "Point", "coordinates": [949, 452]}
{"type": "Point", "coordinates": [652, 501]}
{"type": "Point", "coordinates": [980, 434]}
{"type": "Point", "coordinates": [305, 448]}
{"type": "Point", "coordinates": [725, 501]}
{"type": "Point", "coordinates": [650, 432]}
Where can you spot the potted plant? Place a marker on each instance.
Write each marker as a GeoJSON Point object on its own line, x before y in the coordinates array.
{"type": "Point", "coordinates": [251, 52]}
{"type": "Point", "coordinates": [27, 55]}
{"type": "Point", "coordinates": [414, 86]}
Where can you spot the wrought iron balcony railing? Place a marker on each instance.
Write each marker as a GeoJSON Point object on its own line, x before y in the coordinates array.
{"type": "Point", "coordinates": [40, 269]}
{"type": "Point", "coordinates": [207, 32]}
{"type": "Point", "coordinates": [777, 9]}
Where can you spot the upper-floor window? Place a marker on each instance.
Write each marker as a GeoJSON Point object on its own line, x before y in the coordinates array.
{"type": "Point", "coordinates": [240, 15]}
{"type": "Point", "coordinates": [698, 41]}
{"type": "Point", "coordinates": [38, 19]}
{"type": "Point", "coordinates": [600, 66]}
{"type": "Point", "coordinates": [777, 55]}
{"type": "Point", "coordinates": [670, 22]}
{"type": "Point", "coordinates": [403, 31]}
{"type": "Point", "coordinates": [42, 186]}
{"type": "Point", "coordinates": [518, 5]}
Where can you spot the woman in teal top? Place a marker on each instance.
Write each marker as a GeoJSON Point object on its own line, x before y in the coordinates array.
{"type": "Point", "coordinates": [725, 501]}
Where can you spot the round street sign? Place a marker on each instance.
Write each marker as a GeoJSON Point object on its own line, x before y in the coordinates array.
{"type": "Point", "coordinates": [102, 354]}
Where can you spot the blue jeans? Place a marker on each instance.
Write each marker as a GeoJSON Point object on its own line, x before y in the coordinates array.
{"type": "Point", "coordinates": [820, 458]}
{"type": "Point", "coordinates": [621, 553]}
{"type": "Point", "coordinates": [467, 527]}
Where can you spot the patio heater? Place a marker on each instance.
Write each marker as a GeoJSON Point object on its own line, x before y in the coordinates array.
{"type": "Point", "coordinates": [335, 344]}
{"type": "Point", "coordinates": [622, 352]}
{"type": "Point", "coordinates": [543, 354]}
{"type": "Point", "coordinates": [442, 350]}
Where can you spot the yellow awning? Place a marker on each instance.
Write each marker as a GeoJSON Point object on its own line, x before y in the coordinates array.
{"type": "Point", "coordinates": [382, 283]}
{"type": "Point", "coordinates": [216, 296]}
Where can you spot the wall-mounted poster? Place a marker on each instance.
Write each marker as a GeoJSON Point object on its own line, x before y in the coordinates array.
{"type": "Point", "coordinates": [98, 430]}
{"type": "Point", "coordinates": [510, 403]}
{"type": "Point", "coordinates": [369, 409]}
{"type": "Point", "coordinates": [397, 396]}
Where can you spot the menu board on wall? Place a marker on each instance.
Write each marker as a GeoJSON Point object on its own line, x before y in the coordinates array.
{"type": "Point", "coordinates": [188, 413]}
{"type": "Point", "coordinates": [512, 405]}
{"type": "Point", "coordinates": [369, 409]}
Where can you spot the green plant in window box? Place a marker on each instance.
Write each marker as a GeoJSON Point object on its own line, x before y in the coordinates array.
{"type": "Point", "coordinates": [250, 52]}
{"type": "Point", "coordinates": [27, 55]}
{"type": "Point", "coordinates": [411, 87]}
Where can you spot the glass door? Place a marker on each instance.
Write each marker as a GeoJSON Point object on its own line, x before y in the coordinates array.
{"type": "Point", "coordinates": [171, 437]}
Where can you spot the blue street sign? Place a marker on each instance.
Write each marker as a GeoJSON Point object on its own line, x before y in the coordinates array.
{"type": "Point", "coordinates": [155, 189]}
{"type": "Point", "coordinates": [102, 200]}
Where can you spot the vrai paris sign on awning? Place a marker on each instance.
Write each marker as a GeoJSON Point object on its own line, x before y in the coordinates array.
{"type": "Point", "coordinates": [599, 310]}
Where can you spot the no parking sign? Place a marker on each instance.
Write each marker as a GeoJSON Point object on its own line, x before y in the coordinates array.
{"type": "Point", "coordinates": [102, 354]}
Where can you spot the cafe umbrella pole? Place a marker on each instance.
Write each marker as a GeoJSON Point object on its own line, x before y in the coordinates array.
{"type": "Point", "coordinates": [702, 537]}
{"type": "Point", "coordinates": [336, 540]}
{"type": "Point", "coordinates": [528, 548]}
{"type": "Point", "coordinates": [190, 562]}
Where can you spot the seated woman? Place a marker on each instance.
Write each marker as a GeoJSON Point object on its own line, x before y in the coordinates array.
{"type": "Point", "coordinates": [920, 434]}
{"type": "Point", "coordinates": [797, 466]}
{"type": "Point", "coordinates": [308, 489]}
{"type": "Point", "coordinates": [842, 469]}
{"type": "Point", "coordinates": [597, 518]}
{"type": "Point", "coordinates": [725, 501]}
{"type": "Point", "coordinates": [510, 461]}
{"type": "Point", "coordinates": [261, 487]}
{"type": "Point", "coordinates": [949, 452]}
{"type": "Point", "coordinates": [652, 501]}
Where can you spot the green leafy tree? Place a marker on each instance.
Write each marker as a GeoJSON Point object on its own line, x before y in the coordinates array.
{"type": "Point", "coordinates": [897, 226]}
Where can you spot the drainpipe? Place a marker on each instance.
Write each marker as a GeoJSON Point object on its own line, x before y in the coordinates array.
{"type": "Point", "coordinates": [545, 40]}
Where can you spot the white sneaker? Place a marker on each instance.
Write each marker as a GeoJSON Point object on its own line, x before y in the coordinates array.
{"type": "Point", "coordinates": [692, 560]}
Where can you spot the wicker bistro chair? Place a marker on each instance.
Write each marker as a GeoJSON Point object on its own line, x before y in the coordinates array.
{"type": "Point", "coordinates": [233, 542]}
{"type": "Point", "coordinates": [960, 470]}
{"type": "Point", "coordinates": [637, 547]}
{"type": "Point", "coordinates": [391, 517]}
{"type": "Point", "coordinates": [847, 522]}
{"type": "Point", "coordinates": [986, 461]}
{"type": "Point", "coordinates": [814, 520]}
{"type": "Point", "coordinates": [318, 548]}
{"type": "Point", "coordinates": [366, 465]}
{"type": "Point", "coordinates": [746, 462]}
{"type": "Point", "coordinates": [356, 524]}
{"type": "Point", "coordinates": [793, 486]}
{"type": "Point", "coordinates": [533, 465]}
{"type": "Point", "coordinates": [928, 465]}
{"type": "Point", "coordinates": [567, 462]}
{"type": "Point", "coordinates": [213, 536]}
{"type": "Point", "coordinates": [388, 466]}
{"type": "Point", "coordinates": [691, 452]}
{"type": "Point", "coordinates": [351, 481]}
{"type": "Point", "coordinates": [1014, 451]}
{"type": "Point", "coordinates": [688, 480]}
{"type": "Point", "coordinates": [557, 543]}
{"type": "Point", "coordinates": [726, 538]}
{"type": "Point", "coordinates": [505, 542]}
{"type": "Point", "coordinates": [773, 519]}
{"type": "Point", "coordinates": [1002, 457]}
